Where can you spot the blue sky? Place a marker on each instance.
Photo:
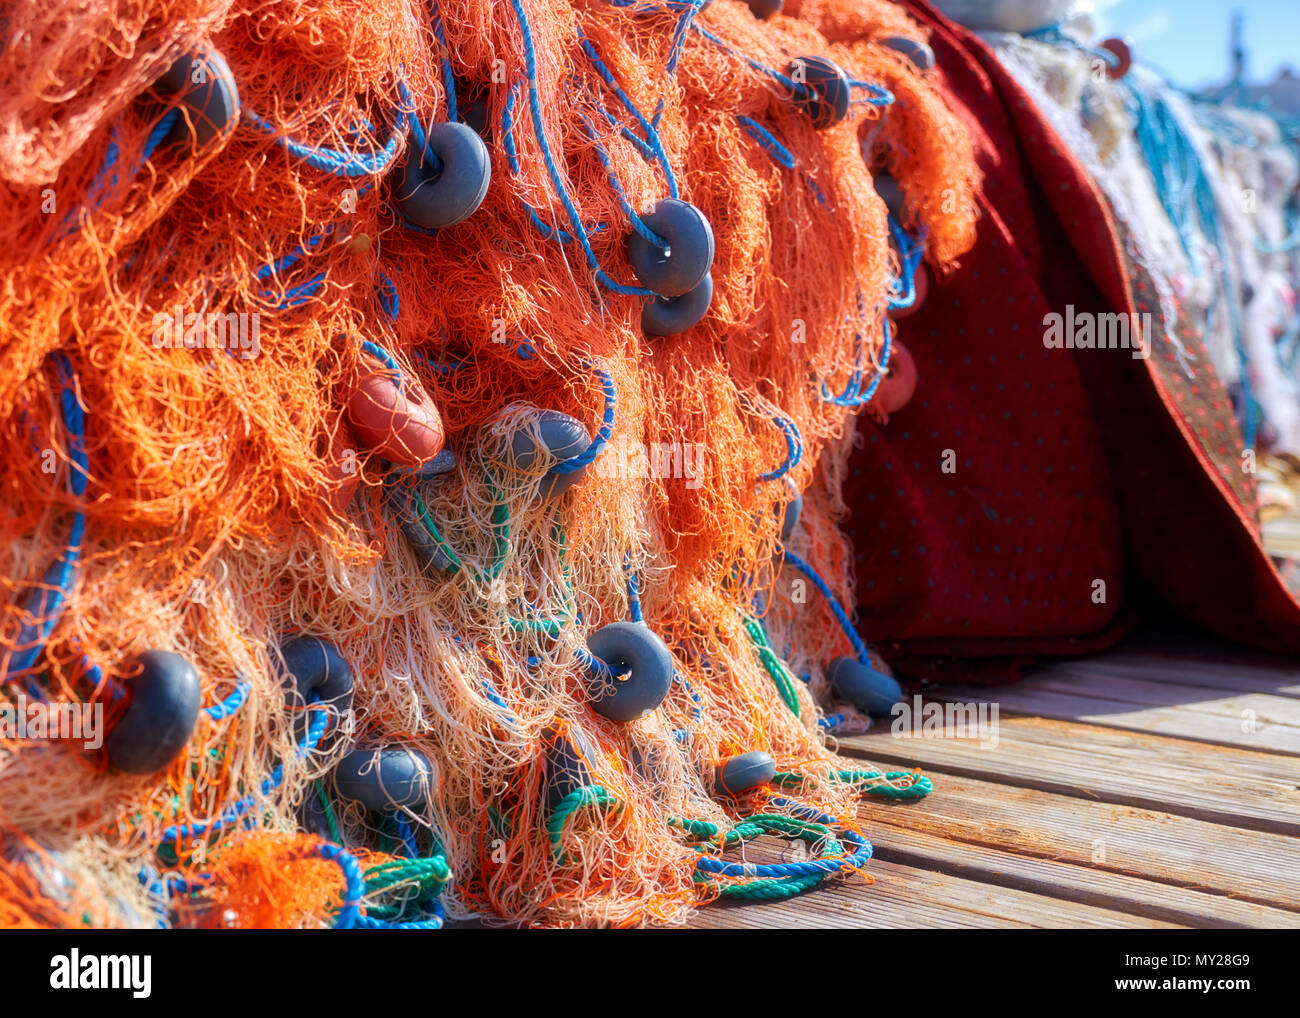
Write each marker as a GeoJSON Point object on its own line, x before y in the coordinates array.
{"type": "Point", "coordinates": [1188, 39]}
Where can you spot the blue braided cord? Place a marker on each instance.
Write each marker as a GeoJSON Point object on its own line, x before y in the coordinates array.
{"type": "Point", "coordinates": [448, 79]}
{"type": "Point", "coordinates": [692, 8]}
{"type": "Point", "coordinates": [859, 648]}
{"type": "Point", "coordinates": [600, 669]}
{"type": "Point", "coordinates": [46, 603]}
{"type": "Point", "coordinates": [878, 95]}
{"type": "Point", "coordinates": [355, 888]}
{"type": "Point", "coordinates": [651, 135]}
{"type": "Point", "coordinates": [828, 864]}
{"type": "Point", "coordinates": [647, 153]}
{"type": "Point", "coordinates": [588, 455]}
{"type": "Point", "coordinates": [852, 396]}
{"type": "Point", "coordinates": [388, 299]}
{"type": "Point", "coordinates": [230, 704]}
{"type": "Point", "coordinates": [697, 711]}
{"type": "Point", "coordinates": [788, 82]}
{"type": "Point", "coordinates": [419, 138]}
{"type": "Point", "coordinates": [911, 252]}
{"type": "Point", "coordinates": [157, 136]}
{"type": "Point", "coordinates": [794, 450]}
{"type": "Point", "coordinates": [332, 161]}
{"type": "Point", "coordinates": [764, 137]}
{"type": "Point", "coordinates": [638, 224]}
{"type": "Point", "coordinates": [103, 181]}
{"type": "Point", "coordinates": [552, 169]}
{"type": "Point", "coordinates": [831, 721]}
{"type": "Point", "coordinates": [490, 691]}
{"type": "Point", "coordinates": [817, 191]}
{"type": "Point", "coordinates": [512, 157]}
{"type": "Point", "coordinates": [186, 832]}
{"type": "Point", "coordinates": [384, 357]}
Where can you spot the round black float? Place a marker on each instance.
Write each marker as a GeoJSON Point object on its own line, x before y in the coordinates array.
{"type": "Point", "coordinates": [822, 90]}
{"type": "Point", "coordinates": [634, 648]}
{"type": "Point", "coordinates": [570, 761]}
{"type": "Point", "coordinates": [868, 690]}
{"type": "Point", "coordinates": [564, 438]}
{"type": "Point", "coordinates": [739, 774]}
{"type": "Point", "coordinates": [383, 779]}
{"type": "Point", "coordinates": [205, 86]}
{"type": "Point", "coordinates": [436, 199]}
{"type": "Point", "coordinates": [159, 721]}
{"type": "Point", "coordinates": [668, 316]}
{"type": "Point", "coordinates": [916, 51]}
{"type": "Point", "coordinates": [689, 256]}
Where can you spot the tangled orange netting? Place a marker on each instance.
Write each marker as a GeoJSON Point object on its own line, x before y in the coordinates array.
{"type": "Point", "coordinates": [219, 510]}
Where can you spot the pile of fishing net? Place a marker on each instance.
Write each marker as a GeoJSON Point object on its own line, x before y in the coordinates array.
{"type": "Point", "coordinates": [1206, 193]}
{"type": "Point", "coordinates": [408, 410]}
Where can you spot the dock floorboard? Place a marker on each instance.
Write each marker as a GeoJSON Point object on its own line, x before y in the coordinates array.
{"type": "Point", "coordinates": [1154, 785]}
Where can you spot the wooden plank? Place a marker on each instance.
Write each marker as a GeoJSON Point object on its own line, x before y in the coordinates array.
{"type": "Point", "coordinates": [1106, 837]}
{"type": "Point", "coordinates": [1077, 678]}
{"type": "Point", "coordinates": [904, 898]}
{"type": "Point", "coordinates": [1134, 896]}
{"type": "Point", "coordinates": [1234, 787]}
{"type": "Point", "coordinates": [1238, 678]}
{"type": "Point", "coordinates": [1218, 727]}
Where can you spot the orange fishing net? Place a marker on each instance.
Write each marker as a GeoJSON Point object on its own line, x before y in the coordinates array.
{"type": "Point", "coordinates": [219, 504]}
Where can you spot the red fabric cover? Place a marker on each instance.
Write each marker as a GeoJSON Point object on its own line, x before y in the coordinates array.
{"type": "Point", "coordinates": [1072, 467]}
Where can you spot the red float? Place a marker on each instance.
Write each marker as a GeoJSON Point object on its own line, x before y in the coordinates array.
{"type": "Point", "coordinates": [897, 387]}
{"type": "Point", "coordinates": [401, 425]}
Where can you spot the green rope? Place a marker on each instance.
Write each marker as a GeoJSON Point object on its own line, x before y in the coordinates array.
{"type": "Point", "coordinates": [329, 813]}
{"type": "Point", "coordinates": [773, 665]}
{"type": "Point", "coordinates": [416, 879]}
{"type": "Point", "coordinates": [870, 782]}
{"type": "Point", "coordinates": [586, 795]}
{"type": "Point", "coordinates": [436, 534]}
{"type": "Point", "coordinates": [764, 889]}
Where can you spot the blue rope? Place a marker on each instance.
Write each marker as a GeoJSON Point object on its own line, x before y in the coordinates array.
{"type": "Point", "coordinates": [764, 137]}
{"type": "Point", "coordinates": [859, 648]}
{"type": "Point", "coordinates": [232, 703]}
{"type": "Point", "coordinates": [46, 603]}
{"type": "Point", "coordinates": [512, 157]}
{"type": "Point", "coordinates": [180, 833]}
{"type": "Point", "coordinates": [651, 135]}
{"type": "Point", "coordinates": [333, 161]}
{"type": "Point", "coordinates": [552, 169]}
{"type": "Point", "coordinates": [448, 78]}
{"type": "Point", "coordinates": [853, 396]}
{"type": "Point", "coordinates": [911, 251]}
{"type": "Point", "coordinates": [794, 450]}
{"type": "Point", "coordinates": [588, 455]}
{"type": "Point", "coordinates": [826, 865]}
{"type": "Point", "coordinates": [384, 357]}
{"type": "Point", "coordinates": [638, 224]}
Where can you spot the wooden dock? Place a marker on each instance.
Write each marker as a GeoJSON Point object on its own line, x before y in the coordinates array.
{"type": "Point", "coordinates": [1156, 785]}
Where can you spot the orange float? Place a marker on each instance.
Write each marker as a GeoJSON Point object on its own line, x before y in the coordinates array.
{"type": "Point", "coordinates": [399, 423]}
